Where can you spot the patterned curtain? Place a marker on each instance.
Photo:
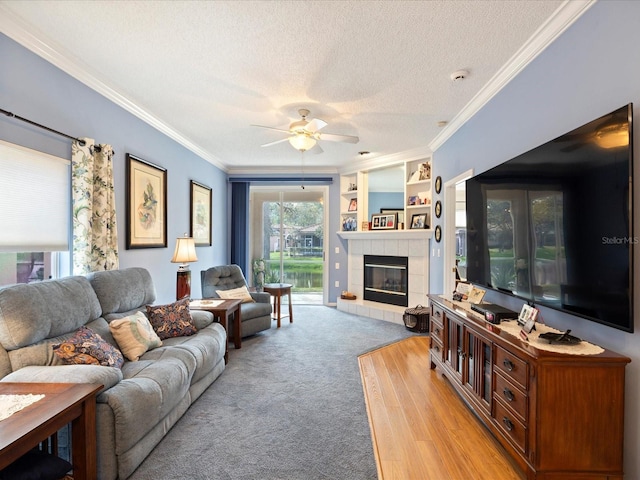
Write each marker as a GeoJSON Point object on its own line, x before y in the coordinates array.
{"type": "Point", "coordinates": [95, 237]}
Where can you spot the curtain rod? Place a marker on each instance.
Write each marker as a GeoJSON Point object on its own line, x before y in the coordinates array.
{"type": "Point", "coordinates": [9, 114]}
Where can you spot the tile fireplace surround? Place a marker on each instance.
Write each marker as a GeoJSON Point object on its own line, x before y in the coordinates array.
{"type": "Point", "coordinates": [414, 245]}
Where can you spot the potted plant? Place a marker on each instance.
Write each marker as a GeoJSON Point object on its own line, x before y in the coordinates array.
{"type": "Point", "coordinates": [259, 268]}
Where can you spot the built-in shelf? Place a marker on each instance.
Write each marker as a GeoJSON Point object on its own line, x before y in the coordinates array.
{"type": "Point", "coordinates": [415, 190]}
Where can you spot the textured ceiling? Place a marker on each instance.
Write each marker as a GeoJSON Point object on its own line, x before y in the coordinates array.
{"type": "Point", "coordinates": [204, 71]}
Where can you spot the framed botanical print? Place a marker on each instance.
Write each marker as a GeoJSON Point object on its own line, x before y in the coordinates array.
{"type": "Point", "coordinates": [146, 204]}
{"type": "Point", "coordinates": [200, 214]}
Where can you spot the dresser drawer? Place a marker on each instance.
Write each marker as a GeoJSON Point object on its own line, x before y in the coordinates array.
{"type": "Point", "coordinates": [512, 367]}
{"type": "Point", "coordinates": [437, 331]}
{"type": "Point", "coordinates": [511, 396]}
{"type": "Point", "coordinates": [510, 426]}
{"type": "Point", "coordinates": [437, 351]}
{"type": "Point", "coordinates": [437, 315]}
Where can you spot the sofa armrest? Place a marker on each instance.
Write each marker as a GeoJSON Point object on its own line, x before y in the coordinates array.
{"type": "Point", "coordinates": [261, 297]}
{"type": "Point", "coordinates": [107, 376]}
{"type": "Point", "coordinates": [201, 318]}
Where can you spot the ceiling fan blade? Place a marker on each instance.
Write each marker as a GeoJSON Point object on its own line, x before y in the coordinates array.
{"type": "Point", "coordinates": [332, 137]}
{"type": "Point", "coordinates": [273, 143]}
{"type": "Point", "coordinates": [271, 128]}
{"type": "Point", "coordinates": [315, 124]}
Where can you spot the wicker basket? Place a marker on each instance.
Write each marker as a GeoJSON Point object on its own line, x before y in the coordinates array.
{"type": "Point", "coordinates": [416, 319]}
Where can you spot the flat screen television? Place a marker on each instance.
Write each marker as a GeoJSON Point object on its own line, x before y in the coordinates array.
{"type": "Point", "coordinates": [554, 227]}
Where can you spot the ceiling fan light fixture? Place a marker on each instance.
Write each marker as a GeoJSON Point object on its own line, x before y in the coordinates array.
{"type": "Point", "coordinates": [302, 142]}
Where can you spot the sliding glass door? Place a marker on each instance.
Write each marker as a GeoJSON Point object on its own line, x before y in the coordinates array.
{"type": "Point", "coordinates": [287, 234]}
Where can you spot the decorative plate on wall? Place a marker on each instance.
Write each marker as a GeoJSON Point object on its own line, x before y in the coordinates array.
{"type": "Point", "coordinates": [438, 184]}
{"type": "Point", "coordinates": [438, 209]}
{"type": "Point", "coordinates": [438, 233]}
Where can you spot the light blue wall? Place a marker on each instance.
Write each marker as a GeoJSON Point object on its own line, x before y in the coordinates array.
{"type": "Point", "coordinates": [33, 88]}
{"type": "Point", "coordinates": [589, 71]}
{"type": "Point", "coordinates": [378, 200]}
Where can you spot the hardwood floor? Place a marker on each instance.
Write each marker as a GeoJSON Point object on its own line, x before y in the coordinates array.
{"type": "Point", "coordinates": [421, 428]}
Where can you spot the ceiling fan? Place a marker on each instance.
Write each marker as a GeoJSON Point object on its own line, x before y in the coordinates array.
{"type": "Point", "coordinates": [304, 134]}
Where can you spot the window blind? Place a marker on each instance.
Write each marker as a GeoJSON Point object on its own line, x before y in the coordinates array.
{"type": "Point", "coordinates": [35, 200]}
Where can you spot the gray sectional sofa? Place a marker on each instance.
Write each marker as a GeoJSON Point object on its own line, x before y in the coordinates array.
{"type": "Point", "coordinates": [139, 402]}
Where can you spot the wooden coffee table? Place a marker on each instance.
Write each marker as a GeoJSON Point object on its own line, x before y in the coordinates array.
{"type": "Point", "coordinates": [62, 403]}
{"type": "Point", "coordinates": [222, 309]}
{"type": "Point", "coordinates": [277, 290]}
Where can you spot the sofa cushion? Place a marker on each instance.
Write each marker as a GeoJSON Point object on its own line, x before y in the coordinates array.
{"type": "Point", "coordinates": [223, 277]}
{"type": "Point", "coordinates": [88, 348]}
{"type": "Point", "coordinates": [123, 290]}
{"type": "Point", "coordinates": [207, 348]}
{"type": "Point", "coordinates": [30, 313]}
{"type": "Point", "coordinates": [134, 335]}
{"type": "Point", "coordinates": [253, 310]}
{"type": "Point", "coordinates": [151, 389]}
{"type": "Point", "coordinates": [171, 320]}
{"type": "Point", "coordinates": [240, 293]}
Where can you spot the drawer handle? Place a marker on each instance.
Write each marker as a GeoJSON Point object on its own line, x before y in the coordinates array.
{"type": "Point", "coordinates": [508, 394]}
{"type": "Point", "coordinates": [436, 348]}
{"type": "Point", "coordinates": [508, 424]}
{"type": "Point", "coordinates": [437, 332]}
{"type": "Point", "coordinates": [508, 364]}
{"type": "Point", "coordinates": [437, 313]}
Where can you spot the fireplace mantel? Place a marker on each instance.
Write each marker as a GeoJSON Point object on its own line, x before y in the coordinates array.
{"type": "Point", "coordinates": [388, 234]}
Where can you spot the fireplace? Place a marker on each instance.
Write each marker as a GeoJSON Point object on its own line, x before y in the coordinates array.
{"type": "Point", "coordinates": [385, 279]}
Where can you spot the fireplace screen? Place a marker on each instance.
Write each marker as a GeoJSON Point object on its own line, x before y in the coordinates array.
{"type": "Point", "coordinates": [385, 279]}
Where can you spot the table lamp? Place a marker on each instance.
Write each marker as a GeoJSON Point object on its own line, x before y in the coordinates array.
{"type": "Point", "coordinates": [185, 253]}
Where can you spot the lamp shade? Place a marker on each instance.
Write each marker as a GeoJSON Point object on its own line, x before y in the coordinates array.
{"type": "Point", "coordinates": [302, 142]}
{"type": "Point", "coordinates": [185, 251]}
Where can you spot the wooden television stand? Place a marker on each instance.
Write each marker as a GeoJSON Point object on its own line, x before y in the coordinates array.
{"type": "Point", "coordinates": [560, 416]}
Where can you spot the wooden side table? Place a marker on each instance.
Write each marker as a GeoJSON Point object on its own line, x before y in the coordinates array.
{"type": "Point", "coordinates": [277, 290]}
{"type": "Point", "coordinates": [221, 310]}
{"type": "Point", "coordinates": [62, 403]}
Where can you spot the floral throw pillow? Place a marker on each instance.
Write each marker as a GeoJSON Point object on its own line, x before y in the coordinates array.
{"type": "Point", "coordinates": [86, 347]}
{"type": "Point", "coordinates": [172, 320]}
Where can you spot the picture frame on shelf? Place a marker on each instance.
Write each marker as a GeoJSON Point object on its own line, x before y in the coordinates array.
{"type": "Point", "coordinates": [353, 205]}
{"type": "Point", "coordinates": [384, 221]}
{"type": "Point", "coordinates": [424, 171]}
{"type": "Point", "coordinates": [414, 177]}
{"type": "Point", "coordinates": [146, 198]}
{"type": "Point", "coordinates": [349, 223]}
{"type": "Point", "coordinates": [398, 211]}
{"type": "Point", "coordinates": [419, 221]}
{"type": "Point", "coordinates": [413, 200]}
{"type": "Point", "coordinates": [201, 216]}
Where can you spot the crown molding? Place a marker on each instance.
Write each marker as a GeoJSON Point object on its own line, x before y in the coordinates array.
{"type": "Point", "coordinates": [16, 29]}
{"type": "Point", "coordinates": [418, 153]}
{"type": "Point", "coordinates": [565, 16]}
